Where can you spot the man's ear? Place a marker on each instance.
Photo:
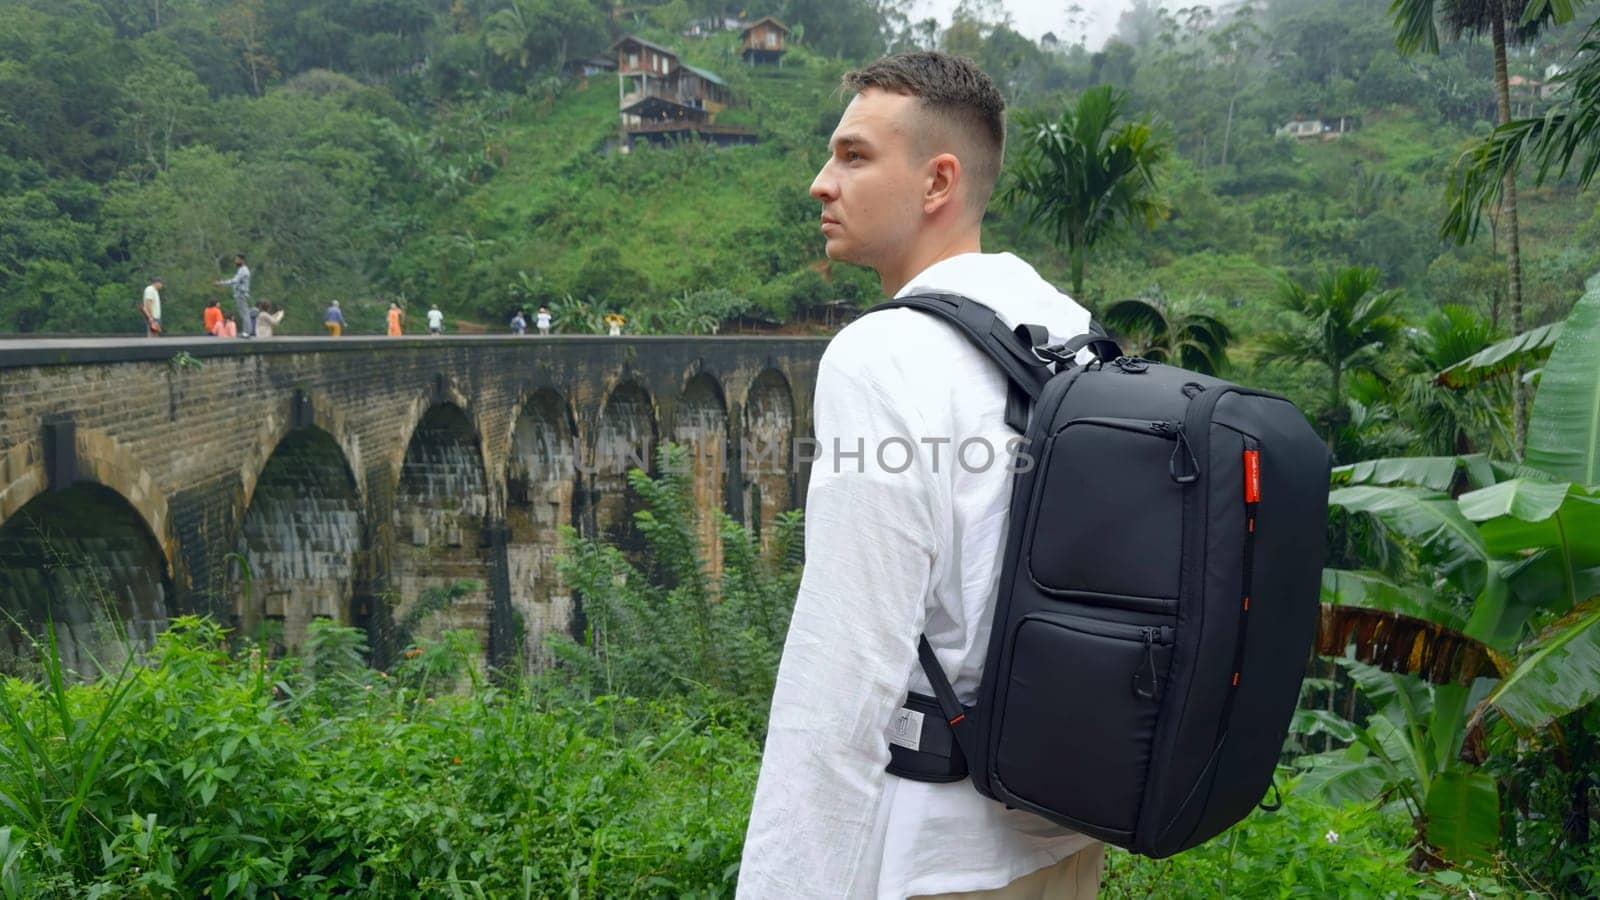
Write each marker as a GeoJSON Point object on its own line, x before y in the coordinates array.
{"type": "Point", "coordinates": [944, 181]}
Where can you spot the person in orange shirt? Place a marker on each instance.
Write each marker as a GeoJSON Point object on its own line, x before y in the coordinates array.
{"type": "Point", "coordinates": [394, 319]}
{"type": "Point", "coordinates": [213, 315]}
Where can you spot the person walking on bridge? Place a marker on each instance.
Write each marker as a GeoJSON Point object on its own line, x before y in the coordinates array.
{"type": "Point", "coordinates": [333, 320]}
{"type": "Point", "coordinates": [151, 307]}
{"type": "Point", "coordinates": [240, 282]}
{"type": "Point", "coordinates": [394, 319]}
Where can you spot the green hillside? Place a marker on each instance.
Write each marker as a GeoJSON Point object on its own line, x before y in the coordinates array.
{"type": "Point", "coordinates": [570, 216]}
{"type": "Point", "coordinates": [420, 151]}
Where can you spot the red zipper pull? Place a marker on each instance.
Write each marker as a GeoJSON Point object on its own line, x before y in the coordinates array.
{"type": "Point", "coordinates": [1252, 476]}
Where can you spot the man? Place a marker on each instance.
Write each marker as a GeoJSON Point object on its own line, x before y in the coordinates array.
{"type": "Point", "coordinates": [906, 537]}
{"type": "Point", "coordinates": [333, 320]}
{"type": "Point", "coordinates": [435, 320]}
{"type": "Point", "coordinates": [519, 324]}
{"type": "Point", "coordinates": [241, 296]}
{"type": "Point", "coordinates": [151, 307]}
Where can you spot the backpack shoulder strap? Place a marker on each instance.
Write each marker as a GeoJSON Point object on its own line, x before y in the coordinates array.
{"type": "Point", "coordinates": [1011, 350]}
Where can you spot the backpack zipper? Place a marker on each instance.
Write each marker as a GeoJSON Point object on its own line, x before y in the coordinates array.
{"type": "Point", "coordinates": [1252, 504]}
{"type": "Point", "coordinates": [1159, 427]}
{"type": "Point", "coordinates": [1150, 636]}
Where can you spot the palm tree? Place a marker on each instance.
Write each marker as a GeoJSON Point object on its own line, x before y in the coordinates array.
{"type": "Point", "coordinates": [1417, 29]}
{"type": "Point", "coordinates": [541, 33]}
{"type": "Point", "coordinates": [510, 33]}
{"type": "Point", "coordinates": [1346, 324]}
{"type": "Point", "coordinates": [1452, 421]}
{"type": "Point", "coordinates": [1162, 332]}
{"type": "Point", "coordinates": [1086, 176]}
{"type": "Point", "coordinates": [1570, 130]}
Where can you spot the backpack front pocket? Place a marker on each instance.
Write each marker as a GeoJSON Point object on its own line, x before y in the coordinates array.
{"type": "Point", "coordinates": [1089, 691]}
{"type": "Point", "coordinates": [1119, 532]}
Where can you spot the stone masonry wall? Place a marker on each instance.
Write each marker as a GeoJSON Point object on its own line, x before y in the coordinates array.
{"type": "Point", "coordinates": [183, 430]}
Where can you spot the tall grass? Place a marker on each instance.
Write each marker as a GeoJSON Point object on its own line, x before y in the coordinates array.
{"type": "Point", "coordinates": [206, 773]}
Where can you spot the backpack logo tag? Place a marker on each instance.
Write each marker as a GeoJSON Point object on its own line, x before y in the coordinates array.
{"type": "Point", "coordinates": [906, 729]}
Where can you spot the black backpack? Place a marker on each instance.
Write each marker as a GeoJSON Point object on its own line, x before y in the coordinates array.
{"type": "Point", "coordinates": [1158, 599]}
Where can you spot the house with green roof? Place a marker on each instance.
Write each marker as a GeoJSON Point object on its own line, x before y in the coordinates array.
{"type": "Point", "coordinates": [660, 97]}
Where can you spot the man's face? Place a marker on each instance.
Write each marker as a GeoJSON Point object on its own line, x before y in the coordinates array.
{"type": "Point", "coordinates": [872, 185]}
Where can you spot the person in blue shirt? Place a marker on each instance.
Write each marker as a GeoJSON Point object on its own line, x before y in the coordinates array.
{"type": "Point", "coordinates": [333, 320]}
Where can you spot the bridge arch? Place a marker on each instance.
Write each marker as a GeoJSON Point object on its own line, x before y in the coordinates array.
{"type": "Point", "coordinates": [304, 536]}
{"type": "Point", "coordinates": [624, 438]}
{"type": "Point", "coordinates": [438, 519]}
{"type": "Point", "coordinates": [541, 480]}
{"type": "Point", "coordinates": [316, 410]}
{"type": "Point", "coordinates": [99, 459]}
{"type": "Point", "coordinates": [768, 451]}
{"type": "Point", "coordinates": [85, 558]}
{"type": "Point", "coordinates": [701, 428]}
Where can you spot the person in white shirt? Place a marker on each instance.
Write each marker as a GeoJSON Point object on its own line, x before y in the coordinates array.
{"type": "Point", "coordinates": [905, 519]}
{"type": "Point", "coordinates": [542, 321]}
{"type": "Point", "coordinates": [151, 307]}
{"type": "Point", "coordinates": [435, 320]}
{"type": "Point", "coordinates": [267, 318]}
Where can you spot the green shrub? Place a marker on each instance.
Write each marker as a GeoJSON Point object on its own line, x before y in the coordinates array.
{"type": "Point", "coordinates": [678, 633]}
{"type": "Point", "coordinates": [1305, 849]}
{"type": "Point", "coordinates": [245, 777]}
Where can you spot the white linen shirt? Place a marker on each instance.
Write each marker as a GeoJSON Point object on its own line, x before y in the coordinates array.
{"type": "Point", "coordinates": [893, 551]}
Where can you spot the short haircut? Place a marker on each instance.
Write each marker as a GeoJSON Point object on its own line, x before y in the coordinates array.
{"type": "Point", "coordinates": [952, 90]}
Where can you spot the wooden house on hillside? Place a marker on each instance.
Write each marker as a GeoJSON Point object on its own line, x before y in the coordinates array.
{"type": "Point", "coordinates": [659, 96]}
{"type": "Point", "coordinates": [764, 41]}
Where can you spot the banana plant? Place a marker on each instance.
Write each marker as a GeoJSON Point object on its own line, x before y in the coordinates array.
{"type": "Point", "coordinates": [1491, 616]}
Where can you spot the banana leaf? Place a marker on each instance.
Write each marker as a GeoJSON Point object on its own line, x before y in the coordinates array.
{"type": "Point", "coordinates": [1321, 721]}
{"type": "Point", "coordinates": [1352, 775]}
{"type": "Point", "coordinates": [1564, 429]}
{"type": "Point", "coordinates": [1521, 515]}
{"type": "Point", "coordinates": [1543, 580]}
{"type": "Point", "coordinates": [1432, 521]}
{"type": "Point", "coordinates": [1500, 358]}
{"type": "Point", "coordinates": [1402, 644]}
{"type": "Point", "coordinates": [1374, 590]}
{"type": "Point", "coordinates": [1558, 673]}
{"type": "Point", "coordinates": [1463, 811]}
{"type": "Point", "coordinates": [1436, 473]}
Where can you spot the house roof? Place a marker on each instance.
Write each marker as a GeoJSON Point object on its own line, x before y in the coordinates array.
{"type": "Point", "coordinates": [709, 76]}
{"type": "Point", "coordinates": [764, 19]}
{"type": "Point", "coordinates": [653, 107]}
{"type": "Point", "coordinates": [634, 39]}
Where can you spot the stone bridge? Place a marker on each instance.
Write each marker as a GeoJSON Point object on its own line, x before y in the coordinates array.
{"type": "Point", "coordinates": [274, 482]}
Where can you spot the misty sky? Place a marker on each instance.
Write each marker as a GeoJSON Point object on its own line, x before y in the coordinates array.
{"type": "Point", "coordinates": [1033, 18]}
